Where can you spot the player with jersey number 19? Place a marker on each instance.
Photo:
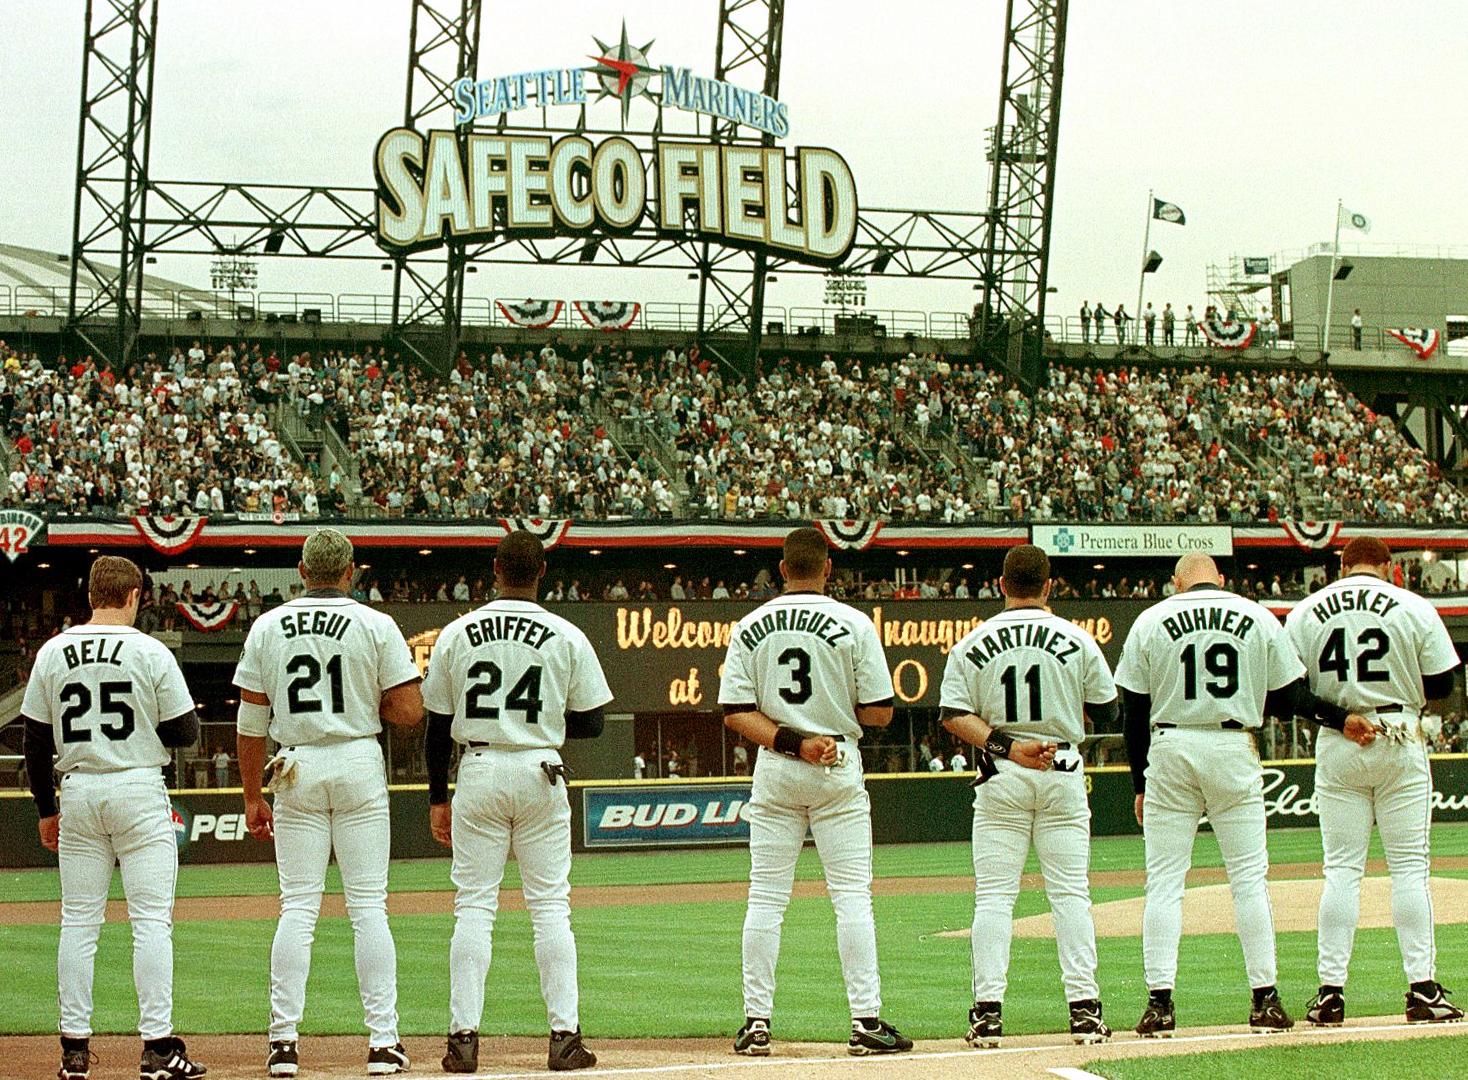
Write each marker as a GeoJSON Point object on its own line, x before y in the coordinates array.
{"type": "Point", "coordinates": [1383, 653]}
{"type": "Point", "coordinates": [112, 701]}
{"type": "Point", "coordinates": [319, 675]}
{"type": "Point", "coordinates": [1198, 673]}
{"type": "Point", "coordinates": [802, 675]}
{"type": "Point", "coordinates": [510, 682]}
{"type": "Point", "coordinates": [1020, 687]}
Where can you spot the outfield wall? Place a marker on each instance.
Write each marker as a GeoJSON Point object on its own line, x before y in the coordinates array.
{"type": "Point", "coordinates": [641, 814]}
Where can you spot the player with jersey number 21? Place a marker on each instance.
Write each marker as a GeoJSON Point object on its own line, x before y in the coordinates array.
{"type": "Point", "coordinates": [1384, 653]}
{"type": "Point", "coordinates": [113, 701]}
{"type": "Point", "coordinates": [319, 675]}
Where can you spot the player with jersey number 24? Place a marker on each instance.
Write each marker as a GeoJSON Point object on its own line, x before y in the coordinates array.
{"type": "Point", "coordinates": [112, 701]}
{"type": "Point", "coordinates": [319, 675]}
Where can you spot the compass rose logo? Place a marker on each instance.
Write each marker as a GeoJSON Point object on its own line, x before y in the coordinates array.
{"type": "Point", "coordinates": [622, 70]}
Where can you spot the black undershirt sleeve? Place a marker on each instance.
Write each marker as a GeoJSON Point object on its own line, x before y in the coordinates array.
{"type": "Point", "coordinates": [40, 748]}
{"type": "Point", "coordinates": [1436, 687]}
{"type": "Point", "coordinates": [180, 731]}
{"type": "Point", "coordinates": [438, 749]}
{"type": "Point", "coordinates": [884, 703]}
{"type": "Point", "coordinates": [735, 710]}
{"type": "Point", "coordinates": [1297, 699]}
{"type": "Point", "coordinates": [1137, 729]}
{"type": "Point", "coordinates": [586, 724]}
{"type": "Point", "coordinates": [1103, 716]}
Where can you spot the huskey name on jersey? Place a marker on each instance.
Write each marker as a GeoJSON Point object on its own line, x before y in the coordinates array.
{"type": "Point", "coordinates": [1027, 635]}
{"type": "Point", "coordinates": [508, 628]}
{"type": "Point", "coordinates": [800, 619]}
{"type": "Point", "coordinates": [1341, 601]}
{"type": "Point", "coordinates": [1195, 620]}
{"type": "Point", "coordinates": [93, 651]}
{"type": "Point", "coordinates": [319, 623]}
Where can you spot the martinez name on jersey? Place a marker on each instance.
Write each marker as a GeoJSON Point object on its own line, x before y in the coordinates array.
{"type": "Point", "coordinates": [1026, 635]}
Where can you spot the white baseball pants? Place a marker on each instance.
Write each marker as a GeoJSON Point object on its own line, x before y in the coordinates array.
{"type": "Point", "coordinates": [337, 802]}
{"type": "Point", "coordinates": [788, 797]}
{"type": "Point", "coordinates": [503, 803]}
{"type": "Point", "coordinates": [1192, 772]}
{"type": "Point", "coordinates": [1013, 810]}
{"type": "Point", "coordinates": [1390, 783]}
{"type": "Point", "coordinates": [109, 819]}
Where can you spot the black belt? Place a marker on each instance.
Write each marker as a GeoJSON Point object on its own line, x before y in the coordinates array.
{"type": "Point", "coordinates": [553, 769]}
{"type": "Point", "coordinates": [1389, 709]}
{"type": "Point", "coordinates": [1223, 725]}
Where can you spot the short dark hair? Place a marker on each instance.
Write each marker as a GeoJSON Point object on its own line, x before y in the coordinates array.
{"type": "Point", "coordinates": [806, 552]}
{"type": "Point", "coordinates": [1026, 569]}
{"type": "Point", "coordinates": [111, 581]}
{"type": "Point", "coordinates": [519, 559]}
{"type": "Point", "coordinates": [1365, 551]}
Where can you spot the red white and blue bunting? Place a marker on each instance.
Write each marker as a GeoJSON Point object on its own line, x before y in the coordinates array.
{"type": "Point", "coordinates": [208, 618]}
{"type": "Point", "coordinates": [1422, 342]}
{"type": "Point", "coordinates": [1229, 335]}
{"type": "Point", "coordinates": [1312, 535]}
{"type": "Point", "coordinates": [608, 314]}
{"type": "Point", "coordinates": [532, 314]}
{"type": "Point", "coordinates": [550, 531]}
{"type": "Point", "coordinates": [170, 535]}
{"type": "Point", "coordinates": [849, 535]}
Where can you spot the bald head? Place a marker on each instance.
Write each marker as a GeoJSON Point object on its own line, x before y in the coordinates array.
{"type": "Point", "coordinates": [1195, 568]}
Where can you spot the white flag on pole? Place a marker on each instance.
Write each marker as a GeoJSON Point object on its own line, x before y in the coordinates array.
{"type": "Point", "coordinates": [1352, 220]}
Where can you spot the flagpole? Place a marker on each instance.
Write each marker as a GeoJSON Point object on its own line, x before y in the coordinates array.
{"type": "Point", "coordinates": [1142, 277]}
{"type": "Point", "coordinates": [1330, 286]}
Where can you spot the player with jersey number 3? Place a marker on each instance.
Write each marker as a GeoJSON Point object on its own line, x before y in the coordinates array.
{"type": "Point", "coordinates": [1383, 653]}
{"type": "Point", "coordinates": [510, 682]}
{"type": "Point", "coordinates": [112, 701]}
{"type": "Point", "coordinates": [319, 675]}
{"type": "Point", "coordinates": [1020, 687]}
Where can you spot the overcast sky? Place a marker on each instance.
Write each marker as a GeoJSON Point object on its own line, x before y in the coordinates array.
{"type": "Point", "coordinates": [1254, 116]}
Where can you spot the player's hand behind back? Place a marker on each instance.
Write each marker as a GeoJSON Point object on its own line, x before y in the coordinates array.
{"type": "Point", "coordinates": [1359, 730]}
{"type": "Point", "coordinates": [440, 823]}
{"type": "Point", "coordinates": [50, 828]}
{"type": "Point", "coordinates": [260, 820]}
{"type": "Point", "coordinates": [819, 750]}
{"type": "Point", "coordinates": [1032, 754]}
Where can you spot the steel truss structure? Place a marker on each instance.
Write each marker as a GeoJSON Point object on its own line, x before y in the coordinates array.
{"type": "Point", "coordinates": [1003, 250]}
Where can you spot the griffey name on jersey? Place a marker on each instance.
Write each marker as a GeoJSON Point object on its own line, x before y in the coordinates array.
{"type": "Point", "coordinates": [800, 620]}
{"type": "Point", "coordinates": [1027, 635]}
{"type": "Point", "coordinates": [1195, 620]}
{"type": "Point", "coordinates": [508, 628]}
{"type": "Point", "coordinates": [1345, 601]}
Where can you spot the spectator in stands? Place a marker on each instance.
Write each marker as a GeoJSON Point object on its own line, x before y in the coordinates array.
{"type": "Point", "coordinates": [1149, 320]}
{"type": "Point", "coordinates": [1085, 323]}
{"type": "Point", "coordinates": [1190, 327]}
{"type": "Point", "coordinates": [1121, 318]}
{"type": "Point", "coordinates": [1356, 330]}
{"type": "Point", "coordinates": [1169, 318]}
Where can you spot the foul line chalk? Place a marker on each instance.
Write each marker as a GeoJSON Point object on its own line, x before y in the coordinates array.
{"type": "Point", "coordinates": [1074, 1074]}
{"type": "Point", "coordinates": [1280, 1039]}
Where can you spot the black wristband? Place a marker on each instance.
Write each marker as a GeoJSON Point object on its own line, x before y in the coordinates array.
{"type": "Point", "coordinates": [1331, 715]}
{"type": "Point", "coordinates": [787, 741]}
{"type": "Point", "coordinates": [999, 743]}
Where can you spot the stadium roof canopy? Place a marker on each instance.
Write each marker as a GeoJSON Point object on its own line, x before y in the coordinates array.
{"type": "Point", "coordinates": [37, 282]}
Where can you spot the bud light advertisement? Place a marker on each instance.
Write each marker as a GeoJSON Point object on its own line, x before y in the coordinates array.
{"type": "Point", "coordinates": [666, 815]}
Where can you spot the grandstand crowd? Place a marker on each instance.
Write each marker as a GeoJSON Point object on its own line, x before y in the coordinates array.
{"type": "Point", "coordinates": [532, 433]}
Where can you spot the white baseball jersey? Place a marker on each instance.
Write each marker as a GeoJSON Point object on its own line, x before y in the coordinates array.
{"type": "Point", "coordinates": [324, 662]}
{"type": "Point", "coordinates": [1365, 643]}
{"type": "Point", "coordinates": [508, 673]}
{"type": "Point", "coordinates": [806, 661]}
{"type": "Point", "coordinates": [1205, 656]}
{"type": "Point", "coordinates": [1028, 672]}
{"type": "Point", "coordinates": [104, 690]}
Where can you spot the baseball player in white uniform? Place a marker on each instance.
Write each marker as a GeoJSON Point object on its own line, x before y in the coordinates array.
{"type": "Point", "coordinates": [318, 675]}
{"type": "Point", "coordinates": [510, 682]}
{"type": "Point", "coordinates": [1198, 672]}
{"type": "Point", "coordinates": [1029, 673]}
{"type": "Point", "coordinates": [109, 701]}
{"type": "Point", "coordinates": [1383, 653]}
{"type": "Point", "coordinates": [802, 675]}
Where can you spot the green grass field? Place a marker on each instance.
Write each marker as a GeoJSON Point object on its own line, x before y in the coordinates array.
{"type": "Point", "coordinates": [1425, 1058]}
{"type": "Point", "coordinates": [673, 969]}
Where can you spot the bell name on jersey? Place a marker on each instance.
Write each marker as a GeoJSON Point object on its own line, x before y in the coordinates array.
{"type": "Point", "coordinates": [92, 651]}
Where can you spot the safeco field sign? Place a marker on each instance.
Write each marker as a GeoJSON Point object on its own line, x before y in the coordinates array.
{"type": "Point", "coordinates": [657, 816]}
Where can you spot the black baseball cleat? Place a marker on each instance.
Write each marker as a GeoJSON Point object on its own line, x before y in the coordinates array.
{"type": "Point", "coordinates": [386, 1060]}
{"type": "Point", "coordinates": [76, 1062]}
{"type": "Point", "coordinates": [1427, 1003]}
{"type": "Point", "coordinates": [873, 1035]}
{"type": "Point", "coordinates": [1086, 1025]}
{"type": "Point", "coordinates": [568, 1052]}
{"type": "Point", "coordinates": [169, 1062]}
{"type": "Point", "coordinates": [463, 1052]}
{"type": "Point", "coordinates": [1267, 1013]}
{"type": "Point", "coordinates": [283, 1060]}
{"type": "Point", "coordinates": [985, 1025]}
{"type": "Point", "coordinates": [1159, 1020]}
{"type": "Point", "coordinates": [1326, 1009]}
{"type": "Point", "coordinates": [753, 1039]}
